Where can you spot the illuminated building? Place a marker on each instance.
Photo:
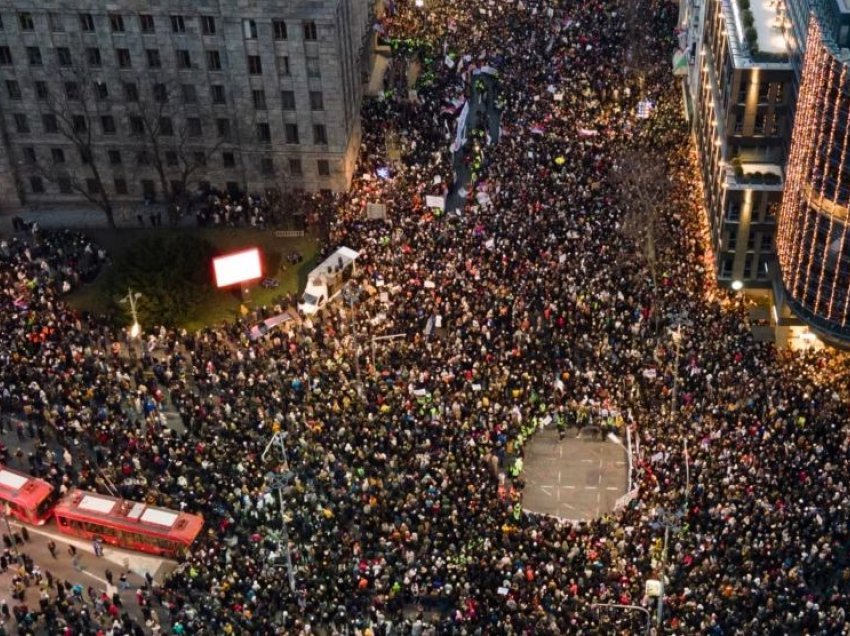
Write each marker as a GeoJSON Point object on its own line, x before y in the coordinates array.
{"type": "Point", "coordinates": [813, 240]}
{"type": "Point", "coordinates": [739, 83]}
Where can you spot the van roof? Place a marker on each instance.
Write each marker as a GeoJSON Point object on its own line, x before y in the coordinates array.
{"type": "Point", "coordinates": [347, 255]}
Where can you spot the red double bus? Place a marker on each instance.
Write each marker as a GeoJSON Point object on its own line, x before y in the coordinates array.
{"type": "Point", "coordinates": [127, 524]}
{"type": "Point", "coordinates": [26, 498]}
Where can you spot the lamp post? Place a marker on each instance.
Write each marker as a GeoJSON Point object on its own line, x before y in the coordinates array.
{"type": "Point", "coordinates": [278, 481]}
{"type": "Point", "coordinates": [130, 299]}
{"type": "Point", "coordinates": [632, 608]}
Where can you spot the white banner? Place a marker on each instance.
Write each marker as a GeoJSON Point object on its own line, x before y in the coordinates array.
{"type": "Point", "coordinates": [460, 137]}
{"type": "Point", "coordinates": [435, 202]}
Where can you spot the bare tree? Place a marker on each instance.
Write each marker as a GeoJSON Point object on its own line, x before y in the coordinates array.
{"type": "Point", "coordinates": [73, 105]}
{"type": "Point", "coordinates": [172, 135]}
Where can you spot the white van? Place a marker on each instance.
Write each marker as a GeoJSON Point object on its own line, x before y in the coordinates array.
{"type": "Point", "coordinates": [326, 281]}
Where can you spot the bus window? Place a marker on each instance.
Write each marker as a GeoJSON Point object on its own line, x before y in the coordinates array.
{"type": "Point", "coordinates": [63, 521]}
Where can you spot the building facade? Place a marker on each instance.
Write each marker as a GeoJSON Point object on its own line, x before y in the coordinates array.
{"type": "Point", "coordinates": [144, 99]}
{"type": "Point", "coordinates": [739, 84]}
{"type": "Point", "coordinates": [814, 231]}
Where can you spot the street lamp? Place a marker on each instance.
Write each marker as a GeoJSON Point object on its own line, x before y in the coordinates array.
{"type": "Point", "coordinates": [130, 299]}
{"type": "Point", "coordinates": [737, 285]}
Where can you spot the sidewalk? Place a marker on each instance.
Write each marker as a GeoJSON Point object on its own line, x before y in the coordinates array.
{"type": "Point", "coordinates": [126, 217]}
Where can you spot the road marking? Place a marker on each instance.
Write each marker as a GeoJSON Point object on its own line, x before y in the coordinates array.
{"type": "Point", "coordinates": [612, 488]}
{"type": "Point", "coordinates": [569, 487]}
{"type": "Point", "coordinates": [547, 490]}
{"type": "Point", "coordinates": [587, 461]}
{"type": "Point", "coordinates": [590, 487]}
{"type": "Point", "coordinates": [619, 463]}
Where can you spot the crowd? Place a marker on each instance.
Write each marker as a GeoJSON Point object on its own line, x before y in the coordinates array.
{"type": "Point", "coordinates": [543, 305]}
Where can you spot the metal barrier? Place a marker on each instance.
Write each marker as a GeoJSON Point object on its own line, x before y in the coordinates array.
{"type": "Point", "coordinates": [288, 233]}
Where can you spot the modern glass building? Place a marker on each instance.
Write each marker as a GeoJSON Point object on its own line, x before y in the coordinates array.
{"type": "Point", "coordinates": [813, 237]}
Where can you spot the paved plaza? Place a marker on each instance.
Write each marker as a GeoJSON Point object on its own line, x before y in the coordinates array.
{"type": "Point", "coordinates": [575, 478]}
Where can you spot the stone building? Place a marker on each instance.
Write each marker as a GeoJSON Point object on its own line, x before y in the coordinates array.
{"type": "Point", "coordinates": [143, 99]}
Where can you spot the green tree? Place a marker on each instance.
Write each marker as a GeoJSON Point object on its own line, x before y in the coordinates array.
{"type": "Point", "coordinates": [172, 271]}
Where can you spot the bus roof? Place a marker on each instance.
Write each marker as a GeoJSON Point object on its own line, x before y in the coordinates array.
{"type": "Point", "coordinates": [22, 488]}
{"type": "Point", "coordinates": [345, 254]}
{"type": "Point", "coordinates": [80, 504]}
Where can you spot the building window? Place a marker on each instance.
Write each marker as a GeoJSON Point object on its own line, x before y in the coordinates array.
{"type": "Point", "coordinates": [87, 22]}
{"type": "Point", "coordinates": [199, 157]}
{"type": "Point", "coordinates": [217, 92]}
{"type": "Point", "coordinates": [184, 60]}
{"type": "Point", "coordinates": [295, 167]}
{"type": "Point", "coordinates": [54, 23]}
{"type": "Point", "coordinates": [85, 155]}
{"type": "Point", "coordinates": [131, 92]}
{"type": "Point", "coordinates": [778, 92]}
{"type": "Point", "coordinates": [170, 158]}
{"type": "Point", "coordinates": [764, 91]}
{"type": "Point", "coordinates": [208, 25]}
{"type": "Point", "coordinates": [120, 186]}
{"type": "Point", "coordinates": [313, 69]}
{"type": "Point", "coordinates": [14, 90]}
{"type": "Point", "coordinates": [264, 133]}
{"type": "Point", "coordinates": [26, 21]}
{"type": "Point", "coordinates": [726, 268]}
{"type": "Point", "coordinates": [148, 189]}
{"type": "Point", "coordinates": [114, 157]}
{"type": "Point", "coordinates": [283, 65]}
{"type": "Point", "coordinates": [153, 58]}
{"type": "Point", "coordinates": [92, 186]}
{"type": "Point", "coordinates": [178, 24]}
{"type": "Point", "coordinates": [291, 133]}
{"type": "Point", "coordinates": [166, 127]}
{"type": "Point", "coordinates": [748, 266]}
{"type": "Point", "coordinates": [279, 27]}
{"type": "Point", "coordinates": [249, 29]}
{"type": "Point", "coordinates": [320, 134]}
{"type": "Point", "coordinates": [733, 212]}
{"type": "Point", "coordinates": [1, 23]}
{"type": "Point", "coordinates": [107, 122]}
{"type": "Point", "coordinates": [37, 185]}
{"type": "Point", "coordinates": [29, 154]}
{"type": "Point", "coordinates": [58, 155]}
{"type": "Point", "coordinates": [324, 167]}
{"type": "Point", "coordinates": [310, 32]}
{"type": "Point", "coordinates": [5, 55]}
{"type": "Point", "coordinates": [22, 125]}
{"type": "Point", "coordinates": [317, 102]}
{"type": "Point", "coordinates": [259, 99]}
{"type": "Point", "coordinates": [72, 91]}
{"type": "Point", "coordinates": [34, 55]}
{"type": "Point", "coordinates": [64, 184]}
{"type": "Point", "coordinates": [223, 128]}
{"type": "Point", "coordinates": [146, 23]}
{"type": "Point", "coordinates": [213, 60]}
{"type": "Point", "coordinates": [123, 57]}
{"type": "Point", "coordinates": [228, 159]}
{"type": "Point", "coordinates": [287, 100]}
{"type": "Point", "coordinates": [137, 126]}
{"type": "Point", "coordinates": [93, 56]}
{"type": "Point", "coordinates": [267, 166]}
{"type": "Point", "coordinates": [190, 95]}
{"type": "Point", "coordinates": [79, 124]}
{"type": "Point", "coordinates": [63, 56]}
{"type": "Point", "coordinates": [255, 65]}
{"type": "Point", "coordinates": [193, 126]}
{"type": "Point", "coordinates": [41, 90]}
{"type": "Point", "coordinates": [732, 239]}
{"type": "Point", "coordinates": [50, 123]}
{"type": "Point", "coordinates": [143, 158]}
{"type": "Point", "coordinates": [116, 22]}
{"type": "Point", "coordinates": [101, 91]}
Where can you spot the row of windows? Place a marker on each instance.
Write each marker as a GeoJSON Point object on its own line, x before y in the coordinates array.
{"type": "Point", "coordinates": [178, 23]}
{"type": "Point", "coordinates": [162, 94]}
{"type": "Point", "coordinates": [65, 185]}
{"type": "Point", "coordinates": [165, 127]}
{"type": "Point", "coordinates": [153, 60]}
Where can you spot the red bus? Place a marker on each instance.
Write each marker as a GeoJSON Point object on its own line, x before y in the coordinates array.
{"type": "Point", "coordinates": [26, 498]}
{"type": "Point", "coordinates": [127, 524]}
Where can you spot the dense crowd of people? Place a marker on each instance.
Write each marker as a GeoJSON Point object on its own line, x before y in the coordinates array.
{"type": "Point", "coordinates": [543, 307]}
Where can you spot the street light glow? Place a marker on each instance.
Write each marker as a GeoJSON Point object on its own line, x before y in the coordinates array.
{"type": "Point", "coordinates": [737, 285]}
{"type": "Point", "coordinates": [135, 330]}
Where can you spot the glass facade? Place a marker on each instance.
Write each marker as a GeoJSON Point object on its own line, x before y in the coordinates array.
{"type": "Point", "coordinates": [812, 240]}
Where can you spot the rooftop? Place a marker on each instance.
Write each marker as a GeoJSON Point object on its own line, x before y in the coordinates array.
{"type": "Point", "coordinates": [768, 47]}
